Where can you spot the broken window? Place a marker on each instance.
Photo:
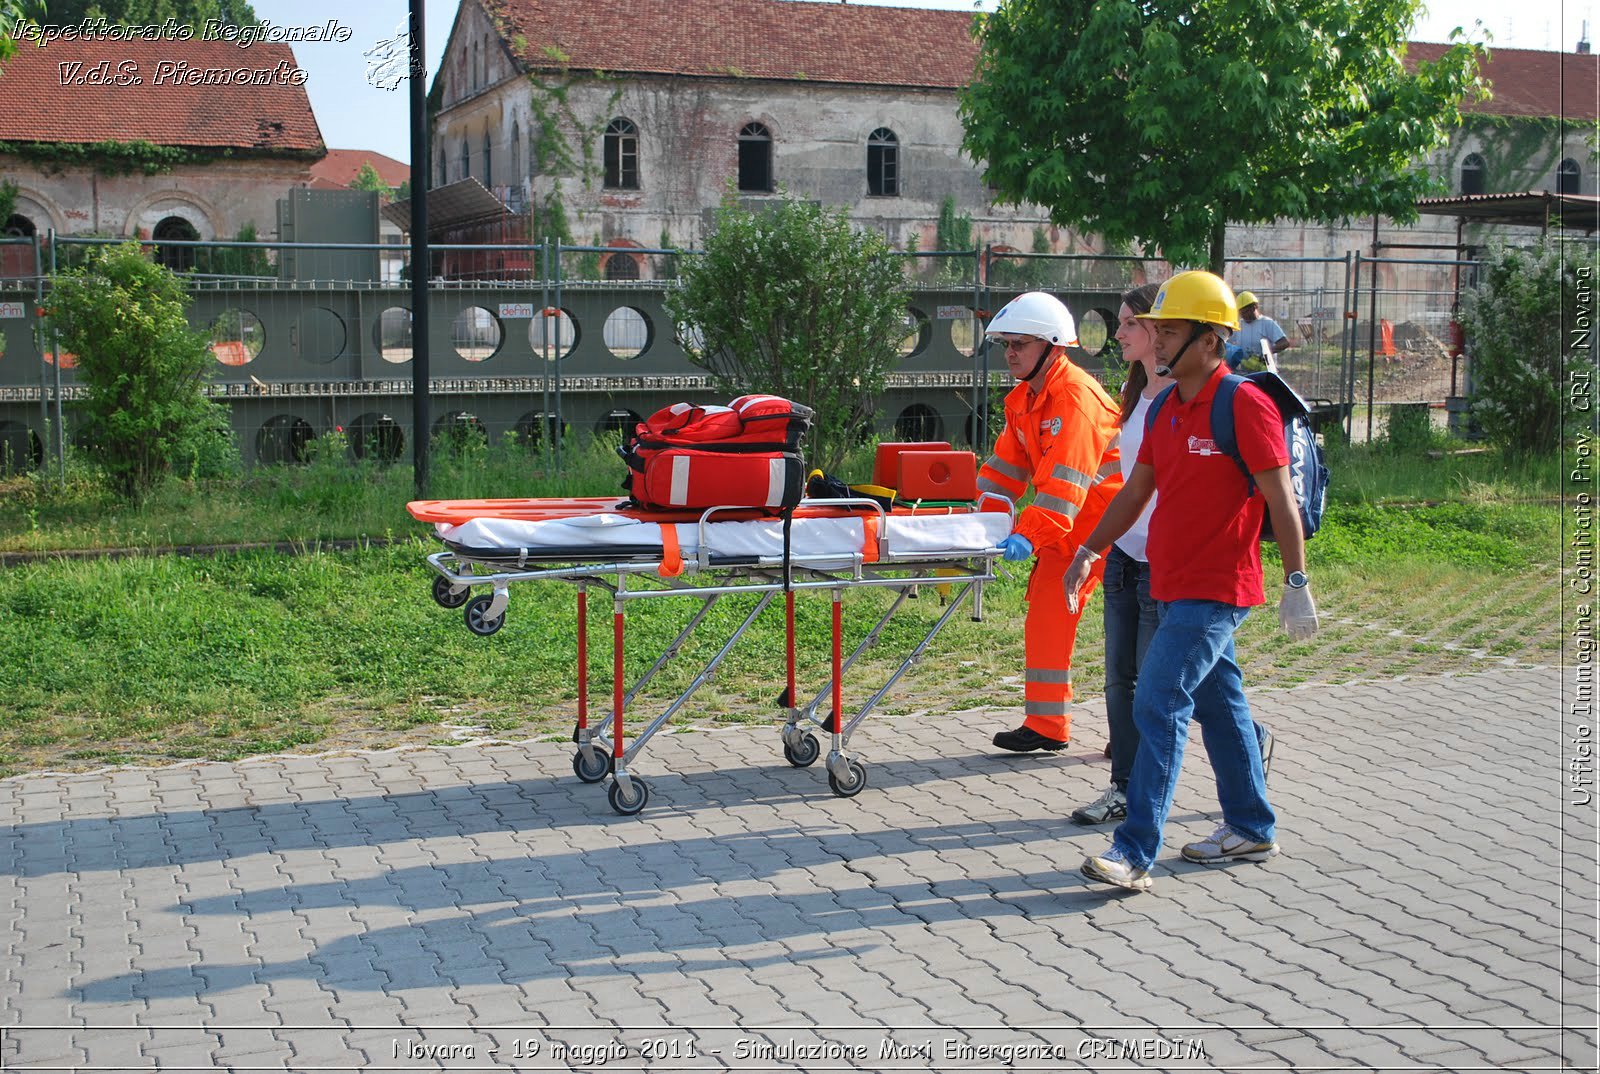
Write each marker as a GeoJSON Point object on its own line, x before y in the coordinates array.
{"type": "Point", "coordinates": [176, 258]}
{"type": "Point", "coordinates": [488, 162]}
{"type": "Point", "coordinates": [755, 159]}
{"type": "Point", "coordinates": [1472, 180]}
{"type": "Point", "coordinates": [883, 163]}
{"type": "Point", "coordinates": [466, 159]}
{"type": "Point", "coordinates": [621, 267]}
{"type": "Point", "coordinates": [622, 155]}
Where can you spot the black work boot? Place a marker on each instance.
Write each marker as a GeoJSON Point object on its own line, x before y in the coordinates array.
{"type": "Point", "coordinates": [1026, 740]}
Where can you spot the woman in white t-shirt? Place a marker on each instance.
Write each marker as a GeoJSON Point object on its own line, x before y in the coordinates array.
{"type": "Point", "coordinates": [1130, 613]}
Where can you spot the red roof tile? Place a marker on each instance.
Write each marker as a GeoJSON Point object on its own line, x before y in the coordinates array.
{"type": "Point", "coordinates": [41, 101]}
{"type": "Point", "coordinates": [827, 42]}
{"type": "Point", "coordinates": [1526, 82]}
{"type": "Point", "coordinates": [341, 166]}
{"type": "Point", "coordinates": [777, 39]}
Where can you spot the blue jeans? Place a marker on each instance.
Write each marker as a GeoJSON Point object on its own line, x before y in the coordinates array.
{"type": "Point", "coordinates": [1189, 672]}
{"type": "Point", "coordinates": [1131, 619]}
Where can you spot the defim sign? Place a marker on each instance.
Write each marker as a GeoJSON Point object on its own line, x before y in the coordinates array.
{"type": "Point", "coordinates": [511, 310]}
{"type": "Point", "coordinates": [951, 313]}
{"type": "Point", "coordinates": [13, 310]}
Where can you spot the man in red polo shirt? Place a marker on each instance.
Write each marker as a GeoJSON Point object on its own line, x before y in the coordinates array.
{"type": "Point", "coordinates": [1205, 574]}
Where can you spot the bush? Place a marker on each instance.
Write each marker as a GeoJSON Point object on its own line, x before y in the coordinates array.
{"type": "Point", "coordinates": [142, 368]}
{"type": "Point", "coordinates": [790, 301]}
{"type": "Point", "coordinates": [1520, 361]}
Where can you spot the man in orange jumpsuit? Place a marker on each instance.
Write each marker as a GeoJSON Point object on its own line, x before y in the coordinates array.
{"type": "Point", "coordinates": [1060, 437]}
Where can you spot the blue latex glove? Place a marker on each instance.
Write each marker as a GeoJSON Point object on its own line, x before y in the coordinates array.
{"type": "Point", "coordinates": [1016, 547]}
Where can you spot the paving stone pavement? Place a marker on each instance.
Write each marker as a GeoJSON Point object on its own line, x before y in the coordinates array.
{"type": "Point", "coordinates": [479, 908]}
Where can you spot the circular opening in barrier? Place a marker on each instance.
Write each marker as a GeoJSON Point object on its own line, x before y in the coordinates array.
{"type": "Point", "coordinates": [919, 333]}
{"type": "Point", "coordinates": [459, 428]}
{"type": "Point", "coordinates": [918, 422]}
{"type": "Point", "coordinates": [20, 448]}
{"type": "Point", "coordinates": [283, 439]}
{"type": "Point", "coordinates": [318, 335]}
{"type": "Point", "coordinates": [377, 436]}
{"type": "Point", "coordinates": [619, 422]}
{"type": "Point", "coordinates": [559, 329]}
{"type": "Point", "coordinates": [538, 427]}
{"type": "Point", "coordinates": [476, 334]}
{"type": "Point", "coordinates": [628, 332]}
{"type": "Point", "coordinates": [237, 337]}
{"type": "Point", "coordinates": [964, 332]}
{"type": "Point", "coordinates": [1095, 329]}
{"type": "Point", "coordinates": [392, 334]}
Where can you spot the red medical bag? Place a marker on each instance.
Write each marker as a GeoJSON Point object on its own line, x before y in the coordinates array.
{"type": "Point", "coordinates": [745, 454]}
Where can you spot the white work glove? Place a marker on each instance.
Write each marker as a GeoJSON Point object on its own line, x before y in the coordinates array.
{"type": "Point", "coordinates": [1077, 574]}
{"type": "Point", "coordinates": [1297, 612]}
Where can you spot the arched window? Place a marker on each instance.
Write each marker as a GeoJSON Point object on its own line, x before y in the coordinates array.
{"type": "Point", "coordinates": [1568, 178]}
{"type": "Point", "coordinates": [516, 154]}
{"type": "Point", "coordinates": [622, 267]}
{"type": "Point", "coordinates": [488, 161]}
{"type": "Point", "coordinates": [883, 163]}
{"type": "Point", "coordinates": [176, 258]}
{"type": "Point", "coordinates": [488, 59]}
{"type": "Point", "coordinates": [20, 227]}
{"type": "Point", "coordinates": [477, 67]}
{"type": "Point", "coordinates": [466, 159]}
{"type": "Point", "coordinates": [444, 174]}
{"type": "Point", "coordinates": [1472, 177]}
{"type": "Point", "coordinates": [755, 159]}
{"type": "Point", "coordinates": [622, 155]}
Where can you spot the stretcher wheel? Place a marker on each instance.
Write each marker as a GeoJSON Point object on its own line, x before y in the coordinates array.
{"type": "Point", "coordinates": [474, 616]}
{"type": "Point", "coordinates": [854, 785]}
{"type": "Point", "coordinates": [804, 753]}
{"type": "Point", "coordinates": [625, 803]}
{"type": "Point", "coordinates": [592, 772]}
{"type": "Point", "coordinates": [444, 595]}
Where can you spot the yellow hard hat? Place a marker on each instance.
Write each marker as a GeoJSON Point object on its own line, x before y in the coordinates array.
{"type": "Point", "coordinates": [1195, 296]}
{"type": "Point", "coordinates": [1248, 299]}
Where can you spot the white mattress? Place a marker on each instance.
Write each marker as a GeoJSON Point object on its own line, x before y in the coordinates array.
{"type": "Point", "coordinates": [906, 537]}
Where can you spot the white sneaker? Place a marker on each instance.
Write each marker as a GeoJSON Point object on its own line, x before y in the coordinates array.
{"type": "Point", "coordinates": [1113, 868]}
{"type": "Point", "coordinates": [1111, 805]}
{"type": "Point", "coordinates": [1225, 844]}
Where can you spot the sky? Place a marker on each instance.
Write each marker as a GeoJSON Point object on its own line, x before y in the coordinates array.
{"type": "Point", "coordinates": [356, 115]}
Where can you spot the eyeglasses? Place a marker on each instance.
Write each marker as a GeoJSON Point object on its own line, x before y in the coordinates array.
{"type": "Point", "coordinates": [1012, 344]}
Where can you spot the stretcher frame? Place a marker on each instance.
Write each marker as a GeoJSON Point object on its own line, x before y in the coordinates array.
{"type": "Point", "coordinates": [634, 574]}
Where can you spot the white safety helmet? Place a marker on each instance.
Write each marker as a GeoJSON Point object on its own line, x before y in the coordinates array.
{"type": "Point", "coordinates": [1035, 314]}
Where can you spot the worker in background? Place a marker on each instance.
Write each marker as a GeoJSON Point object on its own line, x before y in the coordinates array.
{"type": "Point", "coordinates": [1255, 328]}
{"type": "Point", "coordinates": [1060, 437]}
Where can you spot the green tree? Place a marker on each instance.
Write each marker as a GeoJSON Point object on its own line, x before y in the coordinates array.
{"type": "Point", "coordinates": [791, 301]}
{"type": "Point", "coordinates": [1522, 361]}
{"type": "Point", "coordinates": [151, 12]}
{"type": "Point", "coordinates": [953, 232]}
{"type": "Point", "coordinates": [1159, 122]}
{"type": "Point", "coordinates": [367, 178]}
{"type": "Point", "coordinates": [141, 366]}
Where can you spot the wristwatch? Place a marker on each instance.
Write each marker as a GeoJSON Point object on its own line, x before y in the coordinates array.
{"type": "Point", "coordinates": [1296, 580]}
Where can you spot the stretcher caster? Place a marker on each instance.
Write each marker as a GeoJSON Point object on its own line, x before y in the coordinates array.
{"type": "Point", "coordinates": [802, 751]}
{"type": "Point", "coordinates": [476, 621]}
{"type": "Point", "coordinates": [628, 802]}
{"type": "Point", "coordinates": [592, 771]}
{"type": "Point", "coordinates": [447, 595]}
{"type": "Point", "coordinates": [852, 784]}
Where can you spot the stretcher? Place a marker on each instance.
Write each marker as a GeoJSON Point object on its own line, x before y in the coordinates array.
{"type": "Point", "coordinates": [831, 546]}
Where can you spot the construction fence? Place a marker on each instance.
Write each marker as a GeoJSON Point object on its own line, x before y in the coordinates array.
{"type": "Point", "coordinates": [528, 340]}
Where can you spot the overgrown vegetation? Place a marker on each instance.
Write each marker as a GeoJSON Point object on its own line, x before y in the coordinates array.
{"type": "Point", "coordinates": [792, 301]}
{"type": "Point", "coordinates": [144, 410]}
{"type": "Point", "coordinates": [1522, 359]}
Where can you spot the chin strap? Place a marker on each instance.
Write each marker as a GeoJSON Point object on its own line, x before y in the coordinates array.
{"type": "Point", "coordinates": [1052, 351]}
{"type": "Point", "coordinates": [1194, 334]}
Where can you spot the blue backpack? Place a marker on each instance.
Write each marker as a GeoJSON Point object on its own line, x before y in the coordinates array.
{"type": "Point", "coordinates": [1308, 473]}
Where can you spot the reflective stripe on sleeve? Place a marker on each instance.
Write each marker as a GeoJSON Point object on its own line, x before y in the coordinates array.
{"type": "Point", "coordinates": [1052, 675]}
{"type": "Point", "coordinates": [1045, 708]}
{"type": "Point", "coordinates": [1058, 505]}
{"type": "Point", "coordinates": [1006, 469]}
{"type": "Point", "coordinates": [1071, 476]}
